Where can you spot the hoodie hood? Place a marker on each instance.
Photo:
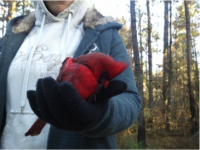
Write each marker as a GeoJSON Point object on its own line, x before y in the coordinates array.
{"type": "Point", "coordinates": [77, 9]}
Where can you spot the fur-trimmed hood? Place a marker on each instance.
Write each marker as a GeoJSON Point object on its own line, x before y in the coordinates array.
{"type": "Point", "coordinates": [92, 19]}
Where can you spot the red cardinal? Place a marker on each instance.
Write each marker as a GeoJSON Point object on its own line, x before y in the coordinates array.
{"type": "Point", "coordinates": [90, 69]}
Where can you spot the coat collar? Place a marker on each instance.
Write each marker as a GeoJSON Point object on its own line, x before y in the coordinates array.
{"type": "Point", "coordinates": [92, 19]}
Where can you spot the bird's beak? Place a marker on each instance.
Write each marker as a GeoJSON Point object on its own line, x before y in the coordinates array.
{"type": "Point", "coordinates": [105, 83]}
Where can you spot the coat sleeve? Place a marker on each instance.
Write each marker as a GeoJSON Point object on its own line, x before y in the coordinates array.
{"type": "Point", "coordinates": [1, 41]}
{"type": "Point", "coordinates": [123, 109]}
{"type": "Point", "coordinates": [1, 45]}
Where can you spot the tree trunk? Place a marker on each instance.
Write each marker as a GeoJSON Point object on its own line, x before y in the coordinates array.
{"type": "Point", "coordinates": [169, 74]}
{"type": "Point", "coordinates": [11, 9]}
{"type": "Point", "coordinates": [165, 51]}
{"type": "Point", "coordinates": [189, 66]}
{"type": "Point", "coordinates": [23, 7]}
{"type": "Point", "coordinates": [196, 71]}
{"type": "Point", "coordinates": [141, 48]}
{"type": "Point", "coordinates": [176, 79]}
{"type": "Point", "coordinates": [138, 75]}
{"type": "Point", "coordinates": [150, 65]}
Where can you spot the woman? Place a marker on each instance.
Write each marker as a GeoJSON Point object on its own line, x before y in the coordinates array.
{"type": "Point", "coordinates": [33, 49]}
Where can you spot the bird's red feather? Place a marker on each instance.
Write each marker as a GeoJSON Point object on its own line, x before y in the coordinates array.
{"type": "Point", "coordinates": [99, 62]}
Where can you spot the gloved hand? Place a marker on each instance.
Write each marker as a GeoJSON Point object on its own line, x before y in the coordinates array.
{"type": "Point", "coordinates": [61, 105]}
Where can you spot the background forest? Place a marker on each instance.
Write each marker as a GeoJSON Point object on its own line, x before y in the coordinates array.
{"type": "Point", "coordinates": [165, 57]}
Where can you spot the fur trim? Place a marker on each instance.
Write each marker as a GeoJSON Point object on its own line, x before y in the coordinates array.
{"type": "Point", "coordinates": [24, 24]}
{"type": "Point", "coordinates": [92, 19]}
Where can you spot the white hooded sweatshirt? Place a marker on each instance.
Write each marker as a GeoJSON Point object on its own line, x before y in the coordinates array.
{"type": "Point", "coordinates": [50, 41]}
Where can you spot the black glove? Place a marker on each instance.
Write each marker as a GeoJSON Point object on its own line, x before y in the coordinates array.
{"type": "Point", "coordinates": [61, 105]}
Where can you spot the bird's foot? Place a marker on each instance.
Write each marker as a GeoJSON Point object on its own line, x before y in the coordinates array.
{"type": "Point", "coordinates": [92, 98]}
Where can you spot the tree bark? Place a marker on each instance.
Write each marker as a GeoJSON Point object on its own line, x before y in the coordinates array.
{"type": "Point", "coordinates": [196, 71]}
{"type": "Point", "coordinates": [165, 51]}
{"type": "Point", "coordinates": [23, 7]}
{"type": "Point", "coordinates": [138, 75]}
{"type": "Point", "coordinates": [11, 9]}
{"type": "Point", "coordinates": [141, 48]}
{"type": "Point", "coordinates": [150, 64]}
{"type": "Point", "coordinates": [189, 66]}
{"type": "Point", "coordinates": [169, 73]}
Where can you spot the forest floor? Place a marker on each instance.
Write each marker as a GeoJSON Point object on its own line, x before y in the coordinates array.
{"type": "Point", "coordinates": [172, 142]}
{"type": "Point", "coordinates": [159, 142]}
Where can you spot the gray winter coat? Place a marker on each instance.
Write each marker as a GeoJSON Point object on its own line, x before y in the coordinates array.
{"type": "Point", "coordinates": [101, 35]}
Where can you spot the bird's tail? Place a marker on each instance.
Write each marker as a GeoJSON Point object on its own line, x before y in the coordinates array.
{"type": "Point", "coordinates": [36, 128]}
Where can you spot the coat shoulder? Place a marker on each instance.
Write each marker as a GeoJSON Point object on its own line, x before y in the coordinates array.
{"type": "Point", "coordinates": [22, 23]}
{"type": "Point", "coordinates": [94, 18]}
